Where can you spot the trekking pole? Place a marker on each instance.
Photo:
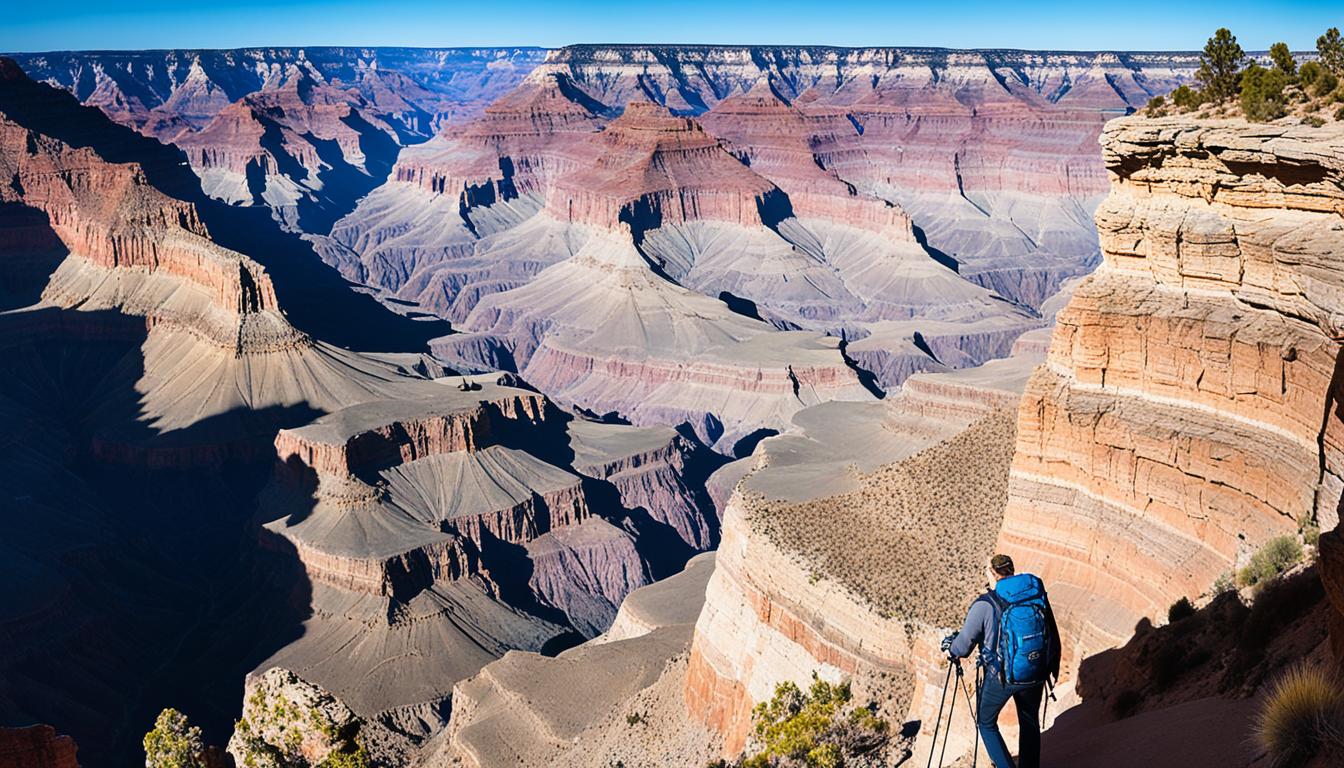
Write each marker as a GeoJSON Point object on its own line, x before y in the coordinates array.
{"type": "Point", "coordinates": [937, 724]}
{"type": "Point", "coordinates": [975, 712]}
{"type": "Point", "coordinates": [951, 709]}
{"type": "Point", "coordinates": [1045, 701]}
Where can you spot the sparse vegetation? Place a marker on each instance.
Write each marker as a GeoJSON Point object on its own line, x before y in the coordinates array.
{"type": "Point", "coordinates": [1278, 555]}
{"type": "Point", "coordinates": [1181, 609]}
{"type": "Point", "coordinates": [174, 743]}
{"type": "Point", "coordinates": [1230, 82]}
{"type": "Point", "coordinates": [913, 539]}
{"type": "Point", "coordinates": [1226, 582]}
{"type": "Point", "coordinates": [817, 729]}
{"type": "Point", "coordinates": [1302, 718]}
{"type": "Point", "coordinates": [637, 718]}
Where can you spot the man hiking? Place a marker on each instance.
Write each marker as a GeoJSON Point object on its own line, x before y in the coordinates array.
{"type": "Point", "coordinates": [1019, 650]}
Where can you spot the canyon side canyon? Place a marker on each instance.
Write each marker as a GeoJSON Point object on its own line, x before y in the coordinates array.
{"type": "Point", "coordinates": [510, 406]}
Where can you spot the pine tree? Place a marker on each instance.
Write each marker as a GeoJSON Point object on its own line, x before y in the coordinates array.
{"type": "Point", "coordinates": [1331, 48]}
{"type": "Point", "coordinates": [1220, 66]}
{"type": "Point", "coordinates": [1283, 59]}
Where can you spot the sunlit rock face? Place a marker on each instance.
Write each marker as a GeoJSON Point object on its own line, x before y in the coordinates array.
{"type": "Point", "coordinates": [1188, 408]}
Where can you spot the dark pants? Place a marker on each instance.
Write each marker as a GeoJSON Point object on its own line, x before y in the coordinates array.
{"type": "Point", "coordinates": [993, 696]}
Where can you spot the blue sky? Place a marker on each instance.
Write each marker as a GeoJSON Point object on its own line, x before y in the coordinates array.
{"type": "Point", "coordinates": [37, 25]}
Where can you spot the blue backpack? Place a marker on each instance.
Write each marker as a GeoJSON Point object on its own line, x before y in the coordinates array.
{"type": "Point", "coordinates": [1024, 646]}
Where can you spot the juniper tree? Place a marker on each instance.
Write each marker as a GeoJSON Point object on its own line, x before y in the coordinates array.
{"type": "Point", "coordinates": [1220, 65]}
{"type": "Point", "coordinates": [1283, 59]}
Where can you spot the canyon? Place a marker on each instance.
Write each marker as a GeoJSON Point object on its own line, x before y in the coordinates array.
{"type": "Point", "coordinates": [521, 407]}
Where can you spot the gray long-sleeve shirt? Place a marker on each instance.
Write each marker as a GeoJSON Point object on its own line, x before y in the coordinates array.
{"type": "Point", "coordinates": [981, 629]}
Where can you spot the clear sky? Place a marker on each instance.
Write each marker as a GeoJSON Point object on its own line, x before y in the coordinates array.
{"type": "Point", "coordinates": [38, 25]}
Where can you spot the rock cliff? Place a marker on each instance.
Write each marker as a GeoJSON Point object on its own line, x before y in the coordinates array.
{"type": "Point", "coordinates": [1188, 408]}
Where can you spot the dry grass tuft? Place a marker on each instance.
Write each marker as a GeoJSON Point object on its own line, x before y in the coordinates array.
{"type": "Point", "coordinates": [913, 541]}
{"type": "Point", "coordinates": [1302, 718]}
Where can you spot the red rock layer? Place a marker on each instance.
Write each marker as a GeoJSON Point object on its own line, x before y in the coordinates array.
{"type": "Point", "coordinates": [523, 142]}
{"type": "Point", "coordinates": [776, 141]}
{"type": "Point", "coordinates": [653, 165]}
{"type": "Point", "coordinates": [282, 125]}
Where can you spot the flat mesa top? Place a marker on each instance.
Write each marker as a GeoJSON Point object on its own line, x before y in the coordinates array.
{"type": "Point", "coordinates": [417, 400]}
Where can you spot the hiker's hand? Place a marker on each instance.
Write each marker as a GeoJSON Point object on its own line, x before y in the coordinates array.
{"type": "Point", "coordinates": [946, 646]}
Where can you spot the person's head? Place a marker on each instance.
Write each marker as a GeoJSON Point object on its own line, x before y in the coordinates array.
{"type": "Point", "coordinates": [1001, 567]}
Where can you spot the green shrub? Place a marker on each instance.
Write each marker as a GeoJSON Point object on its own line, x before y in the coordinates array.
{"type": "Point", "coordinates": [1330, 47]}
{"type": "Point", "coordinates": [1339, 113]}
{"type": "Point", "coordinates": [352, 758]}
{"type": "Point", "coordinates": [174, 743]}
{"type": "Point", "coordinates": [636, 718]}
{"type": "Point", "coordinates": [1324, 82]}
{"type": "Point", "coordinates": [1226, 582]}
{"type": "Point", "coordinates": [1186, 97]}
{"type": "Point", "coordinates": [1278, 555]}
{"type": "Point", "coordinates": [1283, 59]}
{"type": "Point", "coordinates": [1181, 609]}
{"type": "Point", "coordinates": [1219, 66]}
{"type": "Point", "coordinates": [1262, 96]}
{"type": "Point", "coordinates": [1302, 718]}
{"type": "Point", "coordinates": [817, 729]}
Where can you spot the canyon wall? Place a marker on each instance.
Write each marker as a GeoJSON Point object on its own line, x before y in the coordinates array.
{"type": "Point", "coordinates": [852, 544]}
{"type": "Point", "coordinates": [1187, 411]}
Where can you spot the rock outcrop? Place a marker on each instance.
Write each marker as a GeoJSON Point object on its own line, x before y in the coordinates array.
{"type": "Point", "coordinates": [1188, 408]}
{"type": "Point", "coordinates": [37, 746]}
{"type": "Point", "coordinates": [829, 543]}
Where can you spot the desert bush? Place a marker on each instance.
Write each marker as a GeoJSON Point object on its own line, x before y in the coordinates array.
{"type": "Point", "coordinates": [1181, 609]}
{"type": "Point", "coordinates": [1316, 79]}
{"type": "Point", "coordinates": [816, 729]}
{"type": "Point", "coordinates": [358, 757]}
{"type": "Point", "coordinates": [174, 743]}
{"type": "Point", "coordinates": [1219, 66]}
{"type": "Point", "coordinates": [1276, 556]}
{"type": "Point", "coordinates": [1156, 106]}
{"type": "Point", "coordinates": [1330, 47]}
{"type": "Point", "coordinates": [1186, 97]}
{"type": "Point", "coordinates": [1226, 582]}
{"type": "Point", "coordinates": [1302, 718]}
{"type": "Point", "coordinates": [1262, 96]}
{"type": "Point", "coordinates": [1283, 59]}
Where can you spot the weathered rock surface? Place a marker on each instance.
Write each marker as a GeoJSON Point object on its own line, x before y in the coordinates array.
{"type": "Point", "coordinates": [1177, 424]}
{"type": "Point", "coordinates": [37, 746]}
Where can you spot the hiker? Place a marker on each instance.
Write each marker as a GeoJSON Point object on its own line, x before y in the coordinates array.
{"type": "Point", "coordinates": [1019, 653]}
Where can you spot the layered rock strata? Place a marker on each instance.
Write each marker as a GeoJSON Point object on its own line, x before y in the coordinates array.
{"type": "Point", "coordinates": [1178, 422]}
{"type": "Point", "coordinates": [462, 519]}
{"type": "Point", "coordinates": [830, 546]}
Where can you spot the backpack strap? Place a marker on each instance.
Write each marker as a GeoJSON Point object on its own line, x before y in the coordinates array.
{"type": "Point", "coordinates": [988, 658]}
